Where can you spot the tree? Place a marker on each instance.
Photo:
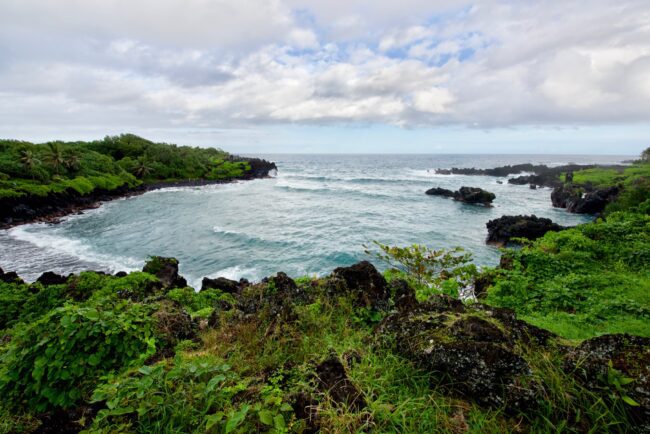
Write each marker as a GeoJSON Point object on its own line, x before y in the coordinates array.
{"type": "Point", "coordinates": [56, 157]}
{"type": "Point", "coordinates": [142, 168]}
{"type": "Point", "coordinates": [29, 161]}
{"type": "Point", "coordinates": [645, 155]}
{"type": "Point", "coordinates": [429, 271]}
{"type": "Point", "coordinates": [72, 161]}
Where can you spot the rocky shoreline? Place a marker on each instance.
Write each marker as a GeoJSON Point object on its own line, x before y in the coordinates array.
{"type": "Point", "coordinates": [52, 208]}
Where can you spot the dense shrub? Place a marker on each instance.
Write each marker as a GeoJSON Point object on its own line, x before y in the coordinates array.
{"type": "Point", "coordinates": [55, 361]}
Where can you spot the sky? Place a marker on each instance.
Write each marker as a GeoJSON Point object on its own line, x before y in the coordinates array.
{"type": "Point", "coordinates": [261, 76]}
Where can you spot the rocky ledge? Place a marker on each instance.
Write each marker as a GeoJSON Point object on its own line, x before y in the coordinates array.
{"type": "Point", "coordinates": [582, 200]}
{"type": "Point", "coordinates": [501, 231]}
{"type": "Point", "coordinates": [470, 195]}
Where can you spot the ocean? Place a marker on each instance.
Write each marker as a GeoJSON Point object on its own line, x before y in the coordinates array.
{"type": "Point", "coordinates": [315, 215]}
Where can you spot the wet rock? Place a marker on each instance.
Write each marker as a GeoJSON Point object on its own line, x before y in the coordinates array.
{"type": "Point", "coordinates": [367, 285]}
{"type": "Point", "coordinates": [565, 195]}
{"type": "Point", "coordinates": [471, 195]}
{"type": "Point", "coordinates": [121, 274]}
{"type": "Point", "coordinates": [220, 283]}
{"type": "Point", "coordinates": [10, 277]}
{"type": "Point", "coordinates": [333, 380]}
{"type": "Point", "coordinates": [533, 187]}
{"type": "Point", "coordinates": [594, 202]}
{"type": "Point", "coordinates": [166, 270]}
{"type": "Point", "coordinates": [437, 191]}
{"type": "Point", "coordinates": [474, 195]}
{"type": "Point", "coordinates": [50, 278]}
{"type": "Point", "coordinates": [475, 352]}
{"type": "Point", "coordinates": [503, 229]}
{"type": "Point", "coordinates": [629, 356]}
{"type": "Point", "coordinates": [576, 200]}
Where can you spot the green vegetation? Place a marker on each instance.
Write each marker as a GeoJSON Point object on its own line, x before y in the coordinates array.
{"type": "Point", "coordinates": [349, 352]}
{"type": "Point", "coordinates": [28, 169]}
{"type": "Point", "coordinates": [105, 343]}
{"type": "Point", "coordinates": [581, 282]}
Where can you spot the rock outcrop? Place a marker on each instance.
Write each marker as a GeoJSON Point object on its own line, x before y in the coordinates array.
{"type": "Point", "coordinates": [222, 284]}
{"type": "Point", "coordinates": [598, 362]}
{"type": "Point", "coordinates": [10, 277]}
{"type": "Point", "coordinates": [166, 270]}
{"type": "Point", "coordinates": [51, 278]}
{"type": "Point", "coordinates": [471, 195]}
{"type": "Point", "coordinates": [474, 352]}
{"type": "Point", "coordinates": [333, 380]}
{"type": "Point", "coordinates": [367, 286]}
{"type": "Point", "coordinates": [438, 191]}
{"type": "Point", "coordinates": [502, 230]}
{"type": "Point", "coordinates": [577, 200]}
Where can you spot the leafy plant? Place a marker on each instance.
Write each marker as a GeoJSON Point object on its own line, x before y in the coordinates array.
{"type": "Point", "coordinates": [430, 271]}
{"type": "Point", "coordinates": [55, 361]}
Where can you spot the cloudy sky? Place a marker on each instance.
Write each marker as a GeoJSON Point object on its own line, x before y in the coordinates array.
{"type": "Point", "coordinates": [332, 75]}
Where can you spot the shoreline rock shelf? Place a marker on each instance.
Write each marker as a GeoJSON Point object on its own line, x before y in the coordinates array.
{"type": "Point", "coordinates": [469, 195]}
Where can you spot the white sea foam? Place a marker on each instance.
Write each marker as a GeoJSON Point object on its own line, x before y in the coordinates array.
{"type": "Point", "coordinates": [55, 243]}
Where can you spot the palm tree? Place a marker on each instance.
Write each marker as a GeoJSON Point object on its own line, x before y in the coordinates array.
{"type": "Point", "coordinates": [56, 157]}
{"type": "Point", "coordinates": [29, 161]}
{"type": "Point", "coordinates": [143, 168]}
{"type": "Point", "coordinates": [72, 161]}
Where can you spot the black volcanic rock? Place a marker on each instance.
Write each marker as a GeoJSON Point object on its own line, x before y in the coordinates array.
{"type": "Point", "coordinates": [220, 283]}
{"type": "Point", "coordinates": [333, 380]}
{"type": "Point", "coordinates": [591, 363]}
{"type": "Point", "coordinates": [503, 229]}
{"type": "Point", "coordinates": [166, 270]}
{"type": "Point", "coordinates": [594, 202]}
{"type": "Point", "coordinates": [471, 195]}
{"type": "Point", "coordinates": [50, 278]}
{"type": "Point", "coordinates": [575, 200]}
{"type": "Point", "coordinates": [473, 350]}
{"type": "Point", "coordinates": [10, 277]}
{"type": "Point", "coordinates": [437, 191]}
{"type": "Point", "coordinates": [474, 195]}
{"type": "Point", "coordinates": [364, 281]}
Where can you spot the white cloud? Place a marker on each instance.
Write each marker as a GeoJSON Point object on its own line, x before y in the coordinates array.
{"type": "Point", "coordinates": [218, 63]}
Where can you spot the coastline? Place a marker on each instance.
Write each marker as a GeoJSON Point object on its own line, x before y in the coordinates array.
{"type": "Point", "coordinates": [52, 208]}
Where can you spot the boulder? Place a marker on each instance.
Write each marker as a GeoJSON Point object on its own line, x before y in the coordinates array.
{"type": "Point", "coordinates": [10, 277]}
{"type": "Point", "coordinates": [437, 191]}
{"type": "Point", "coordinates": [474, 195]}
{"type": "Point", "coordinates": [564, 195]}
{"type": "Point", "coordinates": [220, 283]}
{"type": "Point", "coordinates": [503, 229]}
{"type": "Point", "coordinates": [471, 195]}
{"type": "Point", "coordinates": [573, 198]}
{"type": "Point", "coordinates": [276, 295]}
{"type": "Point", "coordinates": [594, 202]}
{"type": "Point", "coordinates": [50, 278]}
{"type": "Point", "coordinates": [629, 357]}
{"type": "Point", "coordinates": [368, 286]}
{"type": "Point", "coordinates": [474, 352]}
{"type": "Point", "coordinates": [166, 270]}
{"type": "Point", "coordinates": [333, 380]}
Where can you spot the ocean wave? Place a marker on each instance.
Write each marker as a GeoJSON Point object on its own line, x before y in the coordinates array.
{"type": "Point", "coordinates": [71, 247]}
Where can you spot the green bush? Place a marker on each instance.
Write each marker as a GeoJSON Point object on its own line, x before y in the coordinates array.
{"type": "Point", "coordinates": [56, 360]}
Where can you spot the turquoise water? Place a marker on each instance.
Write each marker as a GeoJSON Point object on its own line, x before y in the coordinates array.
{"type": "Point", "coordinates": [315, 215]}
